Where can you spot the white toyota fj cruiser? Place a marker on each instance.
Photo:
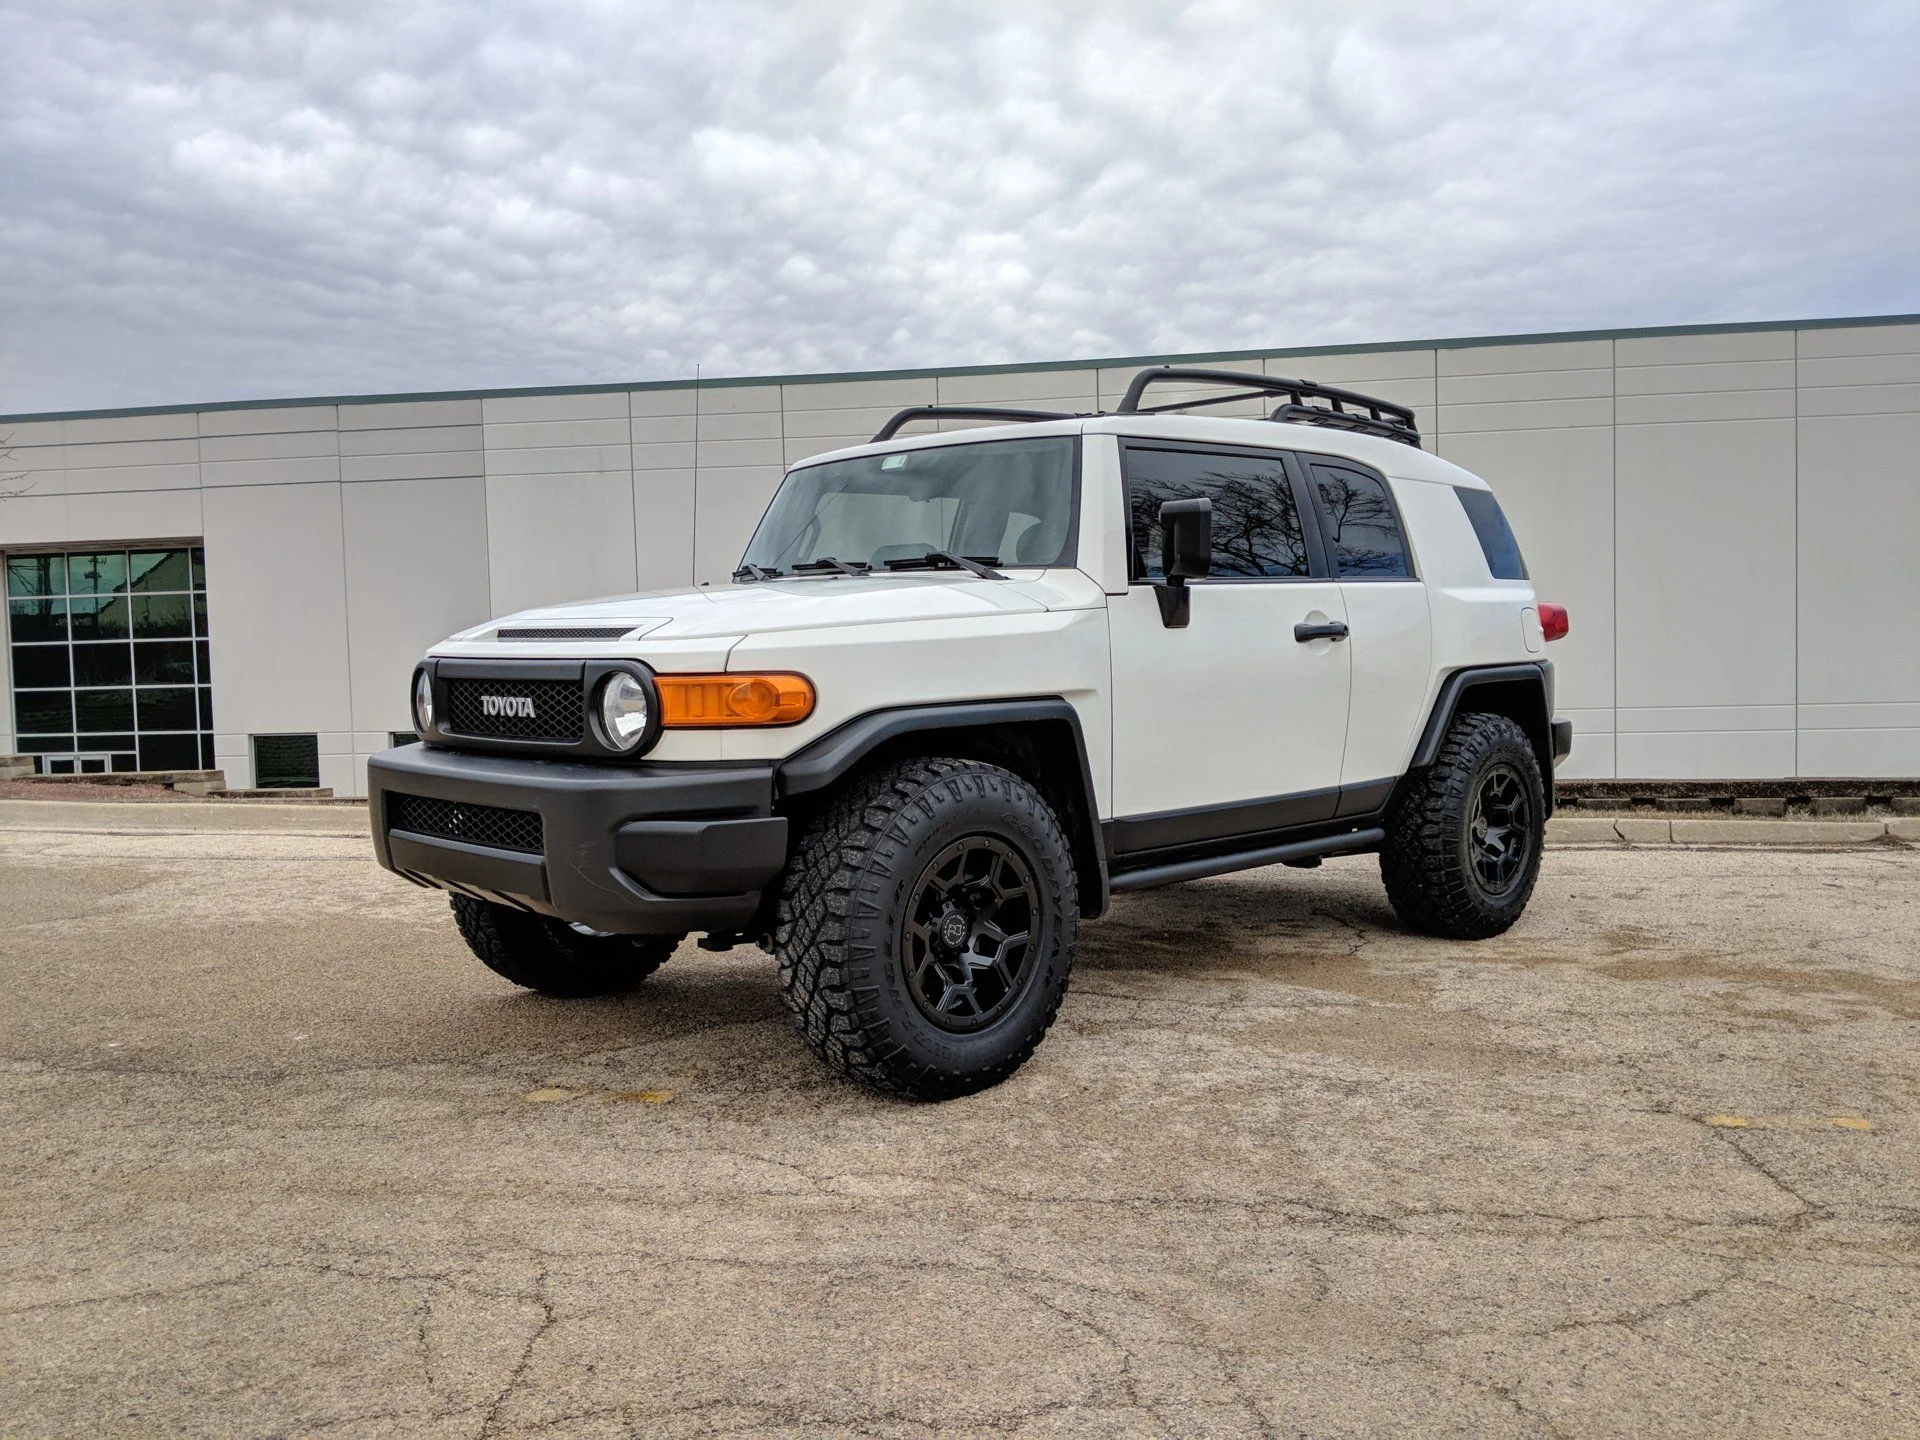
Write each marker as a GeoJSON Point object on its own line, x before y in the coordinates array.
{"type": "Point", "coordinates": [967, 685]}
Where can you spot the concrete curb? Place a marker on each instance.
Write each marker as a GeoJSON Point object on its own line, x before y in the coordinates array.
{"type": "Point", "coordinates": [1661, 830]}
{"type": "Point", "coordinates": [179, 817]}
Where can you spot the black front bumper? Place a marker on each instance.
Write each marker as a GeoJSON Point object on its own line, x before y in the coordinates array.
{"type": "Point", "coordinates": [643, 849]}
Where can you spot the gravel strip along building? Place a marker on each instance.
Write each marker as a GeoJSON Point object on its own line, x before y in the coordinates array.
{"type": "Point", "coordinates": [1732, 514]}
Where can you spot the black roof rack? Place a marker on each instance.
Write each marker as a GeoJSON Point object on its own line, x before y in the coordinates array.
{"type": "Point", "coordinates": [962, 412]}
{"type": "Point", "coordinates": [1374, 417]}
{"type": "Point", "coordinates": [1343, 410]}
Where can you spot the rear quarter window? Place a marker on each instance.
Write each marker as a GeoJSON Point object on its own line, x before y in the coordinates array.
{"type": "Point", "coordinates": [1361, 523]}
{"type": "Point", "coordinates": [1489, 522]}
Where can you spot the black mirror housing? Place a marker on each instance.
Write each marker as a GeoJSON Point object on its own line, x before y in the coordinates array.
{"type": "Point", "coordinates": [1186, 539]}
{"type": "Point", "coordinates": [1186, 553]}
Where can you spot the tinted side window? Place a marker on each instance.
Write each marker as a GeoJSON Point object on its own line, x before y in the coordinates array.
{"type": "Point", "coordinates": [1256, 525]}
{"type": "Point", "coordinates": [1366, 532]}
{"type": "Point", "coordinates": [1496, 536]}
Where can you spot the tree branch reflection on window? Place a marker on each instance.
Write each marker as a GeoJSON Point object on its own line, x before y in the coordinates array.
{"type": "Point", "coordinates": [1256, 526]}
{"type": "Point", "coordinates": [1366, 533]}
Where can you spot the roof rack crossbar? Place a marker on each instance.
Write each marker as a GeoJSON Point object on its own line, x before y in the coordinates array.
{"type": "Point", "coordinates": [1197, 401]}
{"type": "Point", "coordinates": [1376, 417]}
{"type": "Point", "coordinates": [962, 412]}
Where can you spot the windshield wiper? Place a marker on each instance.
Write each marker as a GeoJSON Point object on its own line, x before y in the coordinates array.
{"type": "Point", "coordinates": [751, 571]}
{"type": "Point", "coordinates": [938, 559]}
{"type": "Point", "coordinates": [829, 562]}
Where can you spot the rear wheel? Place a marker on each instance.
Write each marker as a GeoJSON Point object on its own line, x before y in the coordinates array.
{"type": "Point", "coordinates": [556, 958]}
{"type": "Point", "coordinates": [1465, 836]}
{"type": "Point", "coordinates": [926, 927]}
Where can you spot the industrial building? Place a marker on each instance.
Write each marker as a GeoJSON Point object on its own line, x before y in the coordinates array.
{"type": "Point", "coordinates": [1732, 513]}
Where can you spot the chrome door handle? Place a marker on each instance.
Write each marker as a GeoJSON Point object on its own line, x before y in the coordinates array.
{"type": "Point", "coordinates": [1332, 630]}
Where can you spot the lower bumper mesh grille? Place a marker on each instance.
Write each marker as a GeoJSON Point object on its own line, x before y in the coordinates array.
{"type": "Point", "coordinates": [475, 824]}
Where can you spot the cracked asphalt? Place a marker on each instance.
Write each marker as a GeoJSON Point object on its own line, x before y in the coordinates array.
{"type": "Point", "coordinates": [282, 1159]}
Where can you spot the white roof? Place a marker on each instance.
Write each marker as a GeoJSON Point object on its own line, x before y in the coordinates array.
{"type": "Point", "coordinates": [1391, 457]}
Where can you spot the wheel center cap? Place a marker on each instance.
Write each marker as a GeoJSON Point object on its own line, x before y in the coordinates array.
{"type": "Point", "coordinates": [953, 929]}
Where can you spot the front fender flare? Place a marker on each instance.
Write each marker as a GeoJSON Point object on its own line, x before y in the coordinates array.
{"type": "Point", "coordinates": [843, 749]}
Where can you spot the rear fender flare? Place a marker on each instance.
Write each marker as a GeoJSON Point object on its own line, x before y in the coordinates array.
{"type": "Point", "coordinates": [1524, 692]}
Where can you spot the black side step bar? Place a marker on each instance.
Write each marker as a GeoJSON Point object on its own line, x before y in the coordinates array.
{"type": "Point", "coordinates": [1153, 875]}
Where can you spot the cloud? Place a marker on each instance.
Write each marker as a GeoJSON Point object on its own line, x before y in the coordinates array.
{"type": "Point", "coordinates": [229, 200]}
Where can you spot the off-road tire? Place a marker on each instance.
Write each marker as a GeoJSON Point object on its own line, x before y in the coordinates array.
{"type": "Point", "coordinates": [844, 907]}
{"type": "Point", "coordinates": [552, 957]}
{"type": "Point", "coordinates": [1428, 862]}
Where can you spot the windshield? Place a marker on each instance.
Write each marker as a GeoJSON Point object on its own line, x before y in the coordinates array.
{"type": "Point", "coordinates": [1001, 502]}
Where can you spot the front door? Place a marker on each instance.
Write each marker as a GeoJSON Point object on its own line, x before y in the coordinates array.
{"type": "Point", "coordinates": [1230, 725]}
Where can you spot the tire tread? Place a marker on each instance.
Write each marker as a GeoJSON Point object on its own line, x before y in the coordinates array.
{"type": "Point", "coordinates": [537, 953]}
{"type": "Point", "coordinates": [1422, 863]}
{"type": "Point", "coordinates": [842, 1022]}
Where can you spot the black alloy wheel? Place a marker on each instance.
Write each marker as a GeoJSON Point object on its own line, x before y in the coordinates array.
{"type": "Point", "coordinates": [966, 940]}
{"type": "Point", "coordinates": [925, 926]}
{"type": "Point", "coordinates": [1465, 835]}
{"type": "Point", "coordinates": [1500, 829]}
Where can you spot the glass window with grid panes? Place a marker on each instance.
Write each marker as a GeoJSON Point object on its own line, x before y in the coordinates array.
{"type": "Point", "coordinates": [108, 656]}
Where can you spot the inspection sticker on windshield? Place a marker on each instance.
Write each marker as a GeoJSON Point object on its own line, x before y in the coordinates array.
{"type": "Point", "coordinates": [893, 462]}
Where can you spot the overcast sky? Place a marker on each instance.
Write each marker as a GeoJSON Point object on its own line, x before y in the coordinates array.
{"type": "Point", "coordinates": [210, 201]}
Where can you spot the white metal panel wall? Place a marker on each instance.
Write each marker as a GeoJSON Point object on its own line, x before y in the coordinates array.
{"type": "Point", "coordinates": [277, 612]}
{"type": "Point", "coordinates": [1858, 638]}
{"type": "Point", "coordinates": [662, 423]}
{"type": "Point", "coordinates": [415, 554]}
{"type": "Point", "coordinates": [739, 455]}
{"type": "Point", "coordinates": [1536, 421]}
{"type": "Point", "coordinates": [559, 497]}
{"type": "Point", "coordinates": [1729, 515]}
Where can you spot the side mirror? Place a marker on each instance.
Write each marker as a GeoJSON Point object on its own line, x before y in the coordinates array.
{"type": "Point", "coordinates": [1186, 553]}
{"type": "Point", "coordinates": [1186, 539]}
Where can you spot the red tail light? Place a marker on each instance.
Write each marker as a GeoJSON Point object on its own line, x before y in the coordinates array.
{"type": "Point", "coordinates": [1553, 621]}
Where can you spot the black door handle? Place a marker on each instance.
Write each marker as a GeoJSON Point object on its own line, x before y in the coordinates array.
{"type": "Point", "coordinates": [1332, 630]}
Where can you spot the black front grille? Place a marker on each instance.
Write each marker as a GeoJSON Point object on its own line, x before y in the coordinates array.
{"type": "Point", "coordinates": [563, 632]}
{"type": "Point", "coordinates": [475, 824]}
{"type": "Point", "coordinates": [558, 711]}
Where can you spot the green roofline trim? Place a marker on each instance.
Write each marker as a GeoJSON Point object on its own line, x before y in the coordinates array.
{"type": "Point", "coordinates": [1019, 368]}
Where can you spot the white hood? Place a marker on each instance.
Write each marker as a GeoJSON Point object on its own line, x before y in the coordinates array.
{"type": "Point", "coordinates": [794, 604]}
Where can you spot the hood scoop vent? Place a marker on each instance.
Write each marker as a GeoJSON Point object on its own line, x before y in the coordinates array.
{"type": "Point", "coordinates": [564, 632]}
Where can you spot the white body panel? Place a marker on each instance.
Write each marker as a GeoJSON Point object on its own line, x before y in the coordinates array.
{"type": "Point", "coordinates": [1230, 708]}
{"type": "Point", "coordinates": [1389, 650]}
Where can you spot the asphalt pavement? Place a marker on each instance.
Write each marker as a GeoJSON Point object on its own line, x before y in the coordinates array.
{"type": "Point", "coordinates": [282, 1159]}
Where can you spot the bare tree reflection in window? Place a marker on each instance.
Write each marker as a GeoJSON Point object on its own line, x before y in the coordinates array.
{"type": "Point", "coordinates": [1366, 532]}
{"type": "Point", "coordinates": [1256, 526]}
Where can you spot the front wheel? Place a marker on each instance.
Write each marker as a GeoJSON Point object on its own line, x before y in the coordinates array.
{"type": "Point", "coordinates": [1465, 835]}
{"type": "Point", "coordinates": [926, 927]}
{"type": "Point", "coordinates": [556, 958]}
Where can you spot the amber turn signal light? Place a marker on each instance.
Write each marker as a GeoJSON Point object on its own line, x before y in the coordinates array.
{"type": "Point", "coordinates": [694, 702]}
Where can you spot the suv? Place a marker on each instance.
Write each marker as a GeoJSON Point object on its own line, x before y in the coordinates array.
{"type": "Point", "coordinates": [966, 686]}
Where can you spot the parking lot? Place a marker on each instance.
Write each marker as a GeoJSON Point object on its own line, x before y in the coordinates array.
{"type": "Point", "coordinates": [283, 1159]}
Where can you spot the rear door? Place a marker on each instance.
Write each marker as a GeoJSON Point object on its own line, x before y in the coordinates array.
{"type": "Point", "coordinates": [1228, 726]}
{"type": "Point", "coordinates": [1389, 628]}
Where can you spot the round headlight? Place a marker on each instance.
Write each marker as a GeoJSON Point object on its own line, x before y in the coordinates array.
{"type": "Point", "coordinates": [623, 710]}
{"type": "Point", "coordinates": [422, 701]}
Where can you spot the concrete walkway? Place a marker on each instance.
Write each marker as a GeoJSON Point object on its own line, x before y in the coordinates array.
{"type": "Point", "coordinates": [181, 817]}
